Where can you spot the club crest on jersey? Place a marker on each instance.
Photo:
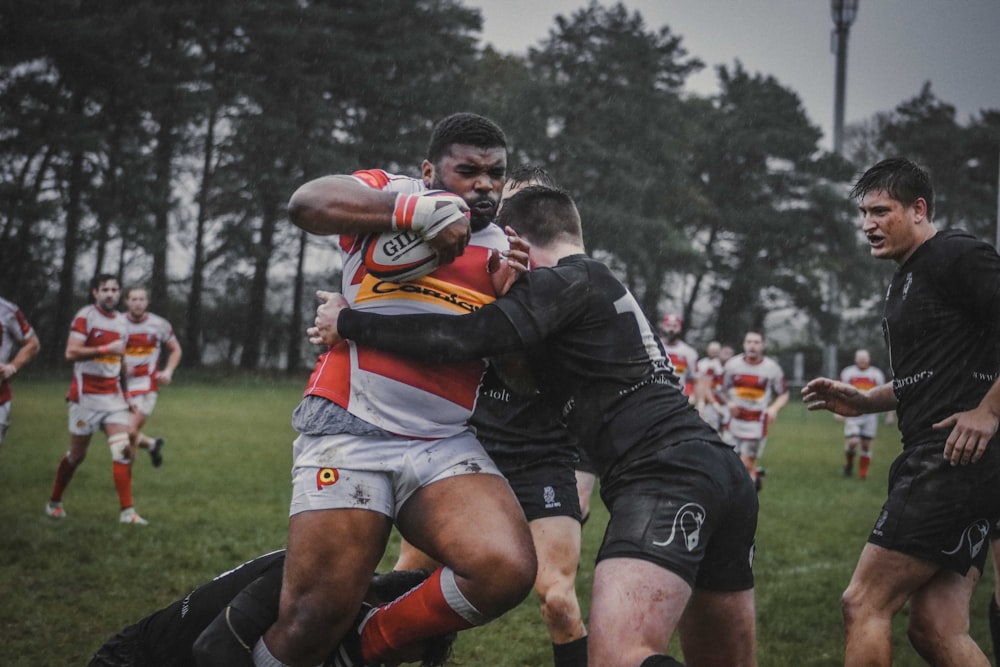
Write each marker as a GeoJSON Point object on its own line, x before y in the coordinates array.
{"type": "Point", "coordinates": [688, 521]}
{"type": "Point", "coordinates": [906, 284]}
{"type": "Point", "coordinates": [973, 538]}
{"type": "Point", "coordinates": [326, 477]}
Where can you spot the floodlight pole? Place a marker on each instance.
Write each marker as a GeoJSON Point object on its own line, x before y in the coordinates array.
{"type": "Point", "coordinates": [843, 12]}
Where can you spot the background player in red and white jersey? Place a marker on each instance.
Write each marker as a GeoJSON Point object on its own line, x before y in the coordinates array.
{"type": "Point", "coordinates": [859, 431]}
{"type": "Point", "coordinates": [384, 439]}
{"type": "Point", "coordinates": [709, 399]}
{"type": "Point", "coordinates": [15, 333]}
{"type": "Point", "coordinates": [147, 334]}
{"type": "Point", "coordinates": [683, 357]}
{"type": "Point", "coordinates": [756, 391]}
{"type": "Point", "coordinates": [96, 397]}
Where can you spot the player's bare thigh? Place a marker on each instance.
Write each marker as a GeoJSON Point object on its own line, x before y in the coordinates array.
{"type": "Point", "coordinates": [635, 609]}
{"type": "Point", "coordinates": [718, 629]}
{"type": "Point", "coordinates": [473, 524]}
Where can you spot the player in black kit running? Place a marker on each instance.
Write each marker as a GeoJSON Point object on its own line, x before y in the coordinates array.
{"type": "Point", "coordinates": [683, 512]}
{"type": "Point", "coordinates": [942, 328]}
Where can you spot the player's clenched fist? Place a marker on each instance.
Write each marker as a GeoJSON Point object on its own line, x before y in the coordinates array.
{"type": "Point", "coordinates": [441, 218]}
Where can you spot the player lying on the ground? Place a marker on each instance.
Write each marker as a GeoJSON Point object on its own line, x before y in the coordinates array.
{"type": "Point", "coordinates": [226, 615]}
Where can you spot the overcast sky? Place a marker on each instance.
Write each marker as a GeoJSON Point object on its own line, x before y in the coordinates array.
{"type": "Point", "coordinates": [895, 46]}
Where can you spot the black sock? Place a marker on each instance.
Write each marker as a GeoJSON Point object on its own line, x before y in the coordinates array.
{"type": "Point", "coordinates": [570, 654]}
{"type": "Point", "coordinates": [661, 661]}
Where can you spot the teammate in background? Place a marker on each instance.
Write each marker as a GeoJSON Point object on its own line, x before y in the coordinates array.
{"type": "Point", "coordinates": [678, 548]}
{"type": "Point", "coordinates": [384, 438]}
{"type": "Point", "coordinates": [147, 332]}
{"type": "Point", "coordinates": [96, 397]}
{"type": "Point", "coordinates": [683, 357]}
{"type": "Point", "coordinates": [221, 613]}
{"type": "Point", "coordinates": [859, 431]}
{"type": "Point", "coordinates": [942, 328]}
{"type": "Point", "coordinates": [15, 332]}
{"type": "Point", "coordinates": [709, 398]}
{"type": "Point", "coordinates": [756, 391]}
{"type": "Point", "coordinates": [525, 437]}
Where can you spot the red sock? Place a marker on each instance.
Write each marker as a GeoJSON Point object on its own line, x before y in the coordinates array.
{"type": "Point", "coordinates": [863, 461]}
{"type": "Point", "coordinates": [64, 473]}
{"type": "Point", "coordinates": [423, 612]}
{"type": "Point", "coordinates": [122, 473]}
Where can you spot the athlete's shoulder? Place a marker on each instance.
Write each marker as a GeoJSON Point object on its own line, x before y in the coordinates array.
{"type": "Point", "coordinates": [7, 306]}
{"type": "Point", "coordinates": [383, 180]}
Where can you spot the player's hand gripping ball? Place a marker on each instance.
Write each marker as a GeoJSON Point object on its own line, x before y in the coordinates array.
{"type": "Point", "coordinates": [404, 254]}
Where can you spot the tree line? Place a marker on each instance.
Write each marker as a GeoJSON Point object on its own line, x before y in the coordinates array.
{"type": "Point", "coordinates": [160, 142]}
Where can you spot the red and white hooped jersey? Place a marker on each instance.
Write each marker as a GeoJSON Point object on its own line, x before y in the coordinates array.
{"type": "Point", "coordinates": [14, 330]}
{"type": "Point", "coordinates": [711, 368]}
{"type": "Point", "coordinates": [96, 382]}
{"type": "Point", "coordinates": [684, 359]}
{"type": "Point", "coordinates": [142, 352]}
{"type": "Point", "coordinates": [752, 387]}
{"type": "Point", "coordinates": [862, 379]}
{"type": "Point", "coordinates": [401, 395]}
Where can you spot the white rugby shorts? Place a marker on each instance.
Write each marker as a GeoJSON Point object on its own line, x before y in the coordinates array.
{"type": "Point", "coordinates": [377, 473]}
{"type": "Point", "coordinates": [862, 426]}
{"type": "Point", "coordinates": [4, 419]}
{"type": "Point", "coordinates": [84, 421]}
{"type": "Point", "coordinates": [145, 403]}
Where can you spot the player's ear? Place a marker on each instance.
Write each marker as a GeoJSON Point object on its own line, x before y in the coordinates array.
{"type": "Point", "coordinates": [427, 171]}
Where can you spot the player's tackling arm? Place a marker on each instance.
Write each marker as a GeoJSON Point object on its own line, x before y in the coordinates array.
{"type": "Point", "coordinates": [441, 338]}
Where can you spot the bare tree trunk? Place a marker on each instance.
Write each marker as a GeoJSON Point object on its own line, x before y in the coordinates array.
{"type": "Point", "coordinates": [295, 328]}
{"type": "Point", "coordinates": [192, 341]}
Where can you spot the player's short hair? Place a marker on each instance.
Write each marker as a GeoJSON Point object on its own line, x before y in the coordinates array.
{"type": "Point", "coordinates": [101, 278]}
{"type": "Point", "coordinates": [542, 214]}
{"type": "Point", "coordinates": [387, 586]}
{"type": "Point", "coordinates": [530, 173]}
{"type": "Point", "coordinates": [464, 128]}
{"type": "Point", "coordinates": [901, 179]}
{"type": "Point", "coordinates": [133, 288]}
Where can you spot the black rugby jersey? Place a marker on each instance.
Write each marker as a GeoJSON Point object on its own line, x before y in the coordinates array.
{"type": "Point", "coordinates": [942, 329]}
{"type": "Point", "coordinates": [165, 637]}
{"type": "Point", "coordinates": [517, 428]}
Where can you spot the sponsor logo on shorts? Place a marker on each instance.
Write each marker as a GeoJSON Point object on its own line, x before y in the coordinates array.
{"type": "Point", "coordinates": [877, 530]}
{"type": "Point", "coordinates": [973, 538]}
{"type": "Point", "coordinates": [549, 496]}
{"type": "Point", "coordinates": [688, 521]}
{"type": "Point", "coordinates": [326, 477]}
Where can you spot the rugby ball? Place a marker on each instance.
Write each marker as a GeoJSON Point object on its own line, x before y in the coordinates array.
{"type": "Point", "coordinates": [398, 256]}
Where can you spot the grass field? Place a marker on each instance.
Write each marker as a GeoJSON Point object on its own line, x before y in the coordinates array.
{"type": "Point", "coordinates": [222, 494]}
